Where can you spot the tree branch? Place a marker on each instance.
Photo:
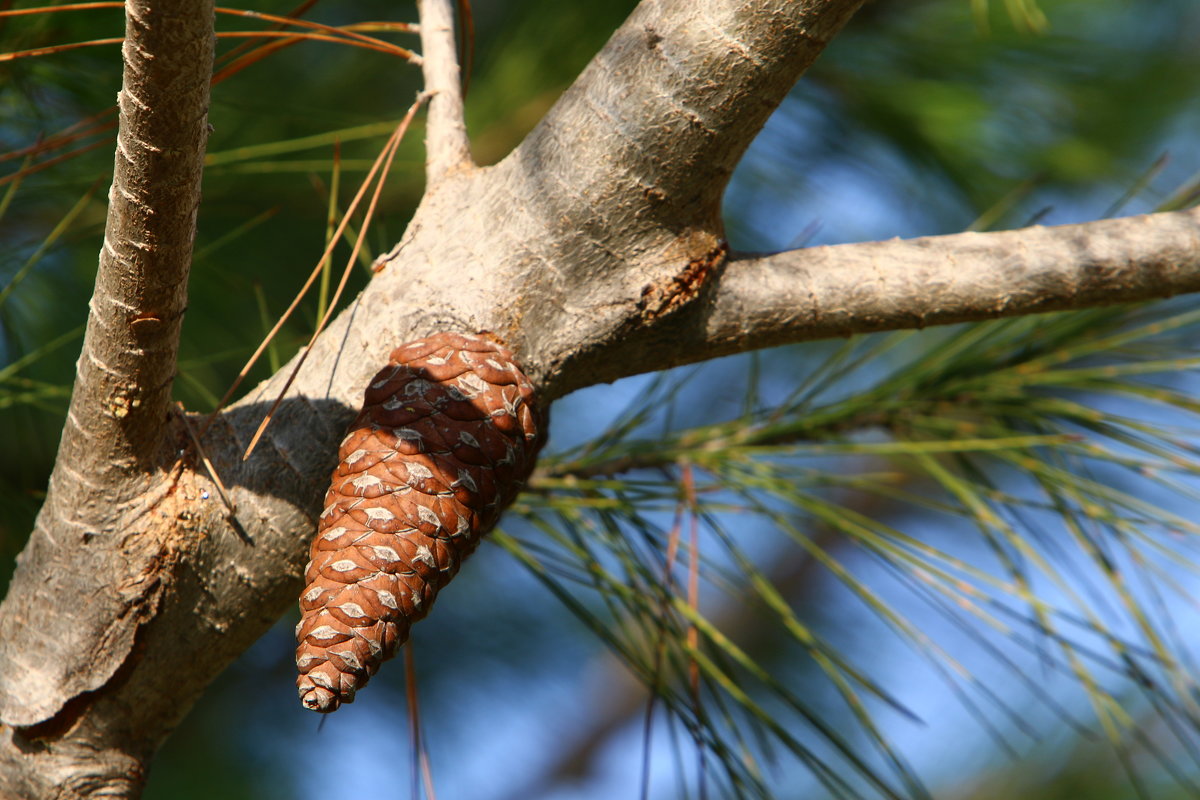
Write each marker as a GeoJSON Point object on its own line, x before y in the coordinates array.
{"type": "Point", "coordinates": [446, 145]}
{"type": "Point", "coordinates": [109, 467]}
{"type": "Point", "coordinates": [824, 292]}
{"type": "Point", "coordinates": [123, 385]}
{"type": "Point", "coordinates": [664, 112]}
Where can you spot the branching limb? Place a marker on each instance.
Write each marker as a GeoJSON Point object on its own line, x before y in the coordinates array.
{"type": "Point", "coordinates": [611, 205]}
{"type": "Point", "coordinates": [446, 145]}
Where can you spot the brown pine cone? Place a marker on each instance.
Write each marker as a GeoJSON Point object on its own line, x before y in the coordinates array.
{"type": "Point", "coordinates": [447, 436]}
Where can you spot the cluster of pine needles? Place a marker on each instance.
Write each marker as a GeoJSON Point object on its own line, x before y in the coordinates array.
{"type": "Point", "coordinates": [1025, 481]}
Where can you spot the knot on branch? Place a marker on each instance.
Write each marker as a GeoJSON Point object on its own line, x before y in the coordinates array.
{"type": "Point", "coordinates": [664, 296]}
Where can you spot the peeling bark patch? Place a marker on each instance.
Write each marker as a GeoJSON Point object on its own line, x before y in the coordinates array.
{"type": "Point", "coordinates": [40, 735]}
{"type": "Point", "coordinates": [662, 297]}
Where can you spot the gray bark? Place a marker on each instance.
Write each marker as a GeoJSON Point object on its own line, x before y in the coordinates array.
{"type": "Point", "coordinates": [825, 292]}
{"type": "Point", "coordinates": [446, 144]}
{"type": "Point", "coordinates": [95, 567]}
{"type": "Point", "coordinates": [595, 251]}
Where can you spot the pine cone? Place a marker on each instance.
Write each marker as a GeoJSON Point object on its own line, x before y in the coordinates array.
{"type": "Point", "coordinates": [447, 435]}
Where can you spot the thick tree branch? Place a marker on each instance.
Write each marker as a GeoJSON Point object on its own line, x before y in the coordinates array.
{"type": "Point", "coordinates": [108, 470]}
{"type": "Point", "coordinates": [446, 145]}
{"type": "Point", "coordinates": [663, 114]}
{"type": "Point", "coordinates": [123, 385]}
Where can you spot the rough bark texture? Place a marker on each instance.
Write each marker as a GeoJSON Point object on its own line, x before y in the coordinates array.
{"type": "Point", "coordinates": [824, 292]}
{"type": "Point", "coordinates": [83, 585]}
{"type": "Point", "coordinates": [594, 251]}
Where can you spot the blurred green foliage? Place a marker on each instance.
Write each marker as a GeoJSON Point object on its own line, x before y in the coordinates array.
{"type": "Point", "coordinates": [923, 117]}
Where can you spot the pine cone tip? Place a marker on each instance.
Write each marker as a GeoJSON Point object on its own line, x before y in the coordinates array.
{"type": "Point", "coordinates": [314, 698]}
